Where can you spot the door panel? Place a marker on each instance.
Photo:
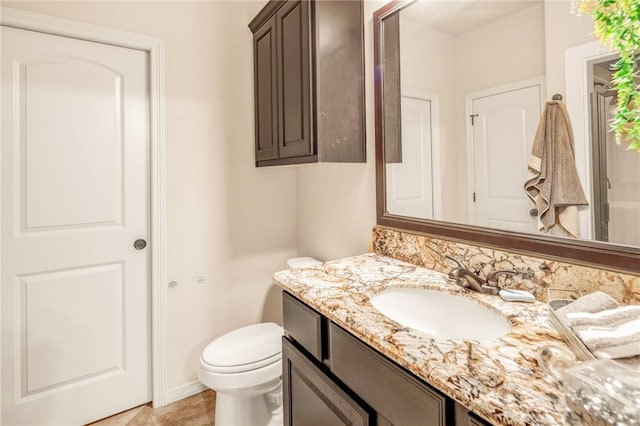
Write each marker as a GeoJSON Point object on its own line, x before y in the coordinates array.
{"type": "Point", "coordinates": [406, 194]}
{"type": "Point", "coordinates": [266, 83]}
{"type": "Point", "coordinates": [90, 192]}
{"type": "Point", "coordinates": [75, 196]}
{"type": "Point", "coordinates": [51, 331]}
{"type": "Point", "coordinates": [503, 132]}
{"type": "Point", "coordinates": [294, 84]}
{"type": "Point", "coordinates": [312, 398]}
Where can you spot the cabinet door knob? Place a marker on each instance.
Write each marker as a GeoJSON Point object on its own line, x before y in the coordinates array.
{"type": "Point", "coordinates": [533, 212]}
{"type": "Point", "coordinates": [139, 244]}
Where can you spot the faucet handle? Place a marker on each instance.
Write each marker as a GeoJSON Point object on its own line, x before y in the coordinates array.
{"type": "Point", "coordinates": [492, 278]}
{"type": "Point", "coordinates": [457, 261]}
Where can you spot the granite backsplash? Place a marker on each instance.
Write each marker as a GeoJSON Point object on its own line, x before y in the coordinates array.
{"type": "Point", "coordinates": [535, 274]}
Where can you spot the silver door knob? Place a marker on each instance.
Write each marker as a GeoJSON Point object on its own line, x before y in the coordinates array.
{"type": "Point", "coordinates": [139, 244]}
{"type": "Point", "coordinates": [533, 212]}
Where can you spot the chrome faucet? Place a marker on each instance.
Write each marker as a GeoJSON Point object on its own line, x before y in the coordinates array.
{"type": "Point", "coordinates": [463, 277]}
{"type": "Point", "coordinates": [492, 280]}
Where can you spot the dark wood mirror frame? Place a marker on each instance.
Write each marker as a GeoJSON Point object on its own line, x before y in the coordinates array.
{"type": "Point", "coordinates": [582, 252]}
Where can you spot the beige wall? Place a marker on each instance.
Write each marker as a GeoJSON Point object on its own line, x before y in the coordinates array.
{"type": "Point", "coordinates": [563, 30]}
{"type": "Point", "coordinates": [226, 220]}
{"type": "Point", "coordinates": [336, 202]}
{"type": "Point", "coordinates": [427, 59]}
{"type": "Point", "coordinates": [427, 64]}
{"type": "Point", "coordinates": [506, 51]}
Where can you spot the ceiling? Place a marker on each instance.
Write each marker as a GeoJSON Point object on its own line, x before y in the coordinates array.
{"type": "Point", "coordinates": [458, 17]}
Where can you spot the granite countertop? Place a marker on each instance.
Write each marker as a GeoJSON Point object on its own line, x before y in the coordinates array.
{"type": "Point", "coordinates": [500, 379]}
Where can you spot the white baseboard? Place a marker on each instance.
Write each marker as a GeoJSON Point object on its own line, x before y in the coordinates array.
{"type": "Point", "coordinates": [185, 391]}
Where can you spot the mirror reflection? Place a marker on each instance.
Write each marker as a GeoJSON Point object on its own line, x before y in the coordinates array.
{"type": "Point", "coordinates": [464, 87]}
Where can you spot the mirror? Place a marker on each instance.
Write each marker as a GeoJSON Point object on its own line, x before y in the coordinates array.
{"type": "Point", "coordinates": [460, 87]}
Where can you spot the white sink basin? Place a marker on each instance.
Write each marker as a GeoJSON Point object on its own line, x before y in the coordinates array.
{"type": "Point", "coordinates": [441, 315]}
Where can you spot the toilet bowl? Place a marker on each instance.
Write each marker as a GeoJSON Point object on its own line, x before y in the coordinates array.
{"type": "Point", "coordinates": [244, 368]}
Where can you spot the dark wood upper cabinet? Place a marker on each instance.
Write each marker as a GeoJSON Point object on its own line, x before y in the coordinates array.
{"type": "Point", "coordinates": [265, 87]}
{"type": "Point", "coordinates": [294, 80]}
{"type": "Point", "coordinates": [391, 87]}
{"type": "Point", "coordinates": [309, 82]}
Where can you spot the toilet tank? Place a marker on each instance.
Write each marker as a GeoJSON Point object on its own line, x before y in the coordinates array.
{"type": "Point", "coordinates": [302, 262]}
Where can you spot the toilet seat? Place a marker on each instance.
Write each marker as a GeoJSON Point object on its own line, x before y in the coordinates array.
{"type": "Point", "coordinates": [241, 368]}
{"type": "Point", "coordinates": [244, 349]}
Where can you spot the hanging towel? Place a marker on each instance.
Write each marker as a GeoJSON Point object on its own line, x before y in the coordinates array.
{"type": "Point", "coordinates": [552, 181]}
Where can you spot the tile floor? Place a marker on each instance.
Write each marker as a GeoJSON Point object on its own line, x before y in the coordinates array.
{"type": "Point", "coordinates": [196, 410]}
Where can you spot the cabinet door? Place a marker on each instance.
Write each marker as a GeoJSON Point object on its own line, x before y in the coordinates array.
{"type": "Point", "coordinates": [339, 76]}
{"type": "Point", "coordinates": [464, 417]}
{"type": "Point", "coordinates": [303, 325]}
{"type": "Point", "coordinates": [391, 90]}
{"type": "Point", "coordinates": [265, 87]}
{"type": "Point", "coordinates": [390, 391]}
{"type": "Point", "coordinates": [294, 80]}
{"type": "Point", "coordinates": [311, 398]}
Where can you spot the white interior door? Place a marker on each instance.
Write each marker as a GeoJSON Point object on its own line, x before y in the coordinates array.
{"type": "Point", "coordinates": [75, 197]}
{"type": "Point", "coordinates": [504, 126]}
{"type": "Point", "coordinates": [410, 183]}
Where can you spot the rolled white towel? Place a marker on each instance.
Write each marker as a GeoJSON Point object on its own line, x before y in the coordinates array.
{"type": "Point", "coordinates": [594, 302]}
{"type": "Point", "coordinates": [604, 319]}
{"type": "Point", "coordinates": [616, 352]}
{"type": "Point", "coordinates": [620, 342]}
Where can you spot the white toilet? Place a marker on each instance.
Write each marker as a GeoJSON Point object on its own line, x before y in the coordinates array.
{"type": "Point", "coordinates": [244, 367]}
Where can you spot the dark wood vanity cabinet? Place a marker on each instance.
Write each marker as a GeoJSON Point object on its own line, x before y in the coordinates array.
{"type": "Point", "coordinates": [331, 378]}
{"type": "Point", "coordinates": [309, 82]}
{"type": "Point", "coordinates": [313, 397]}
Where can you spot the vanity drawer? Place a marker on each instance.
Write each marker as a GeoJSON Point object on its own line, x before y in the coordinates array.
{"type": "Point", "coordinates": [303, 324]}
{"type": "Point", "coordinates": [312, 397]}
{"type": "Point", "coordinates": [390, 391]}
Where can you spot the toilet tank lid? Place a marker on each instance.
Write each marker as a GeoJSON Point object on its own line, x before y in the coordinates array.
{"type": "Point", "coordinates": [246, 345]}
{"type": "Point", "coordinates": [302, 262]}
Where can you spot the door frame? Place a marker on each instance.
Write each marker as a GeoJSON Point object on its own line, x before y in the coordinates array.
{"type": "Point", "coordinates": [155, 49]}
{"type": "Point", "coordinates": [434, 100]}
{"type": "Point", "coordinates": [468, 102]}
{"type": "Point", "coordinates": [578, 78]}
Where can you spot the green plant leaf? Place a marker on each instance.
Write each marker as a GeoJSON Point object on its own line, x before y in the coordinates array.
{"type": "Point", "coordinates": [617, 24]}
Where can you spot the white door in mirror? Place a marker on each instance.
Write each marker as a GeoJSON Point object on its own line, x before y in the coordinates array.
{"type": "Point", "coordinates": [503, 133]}
{"type": "Point", "coordinates": [410, 183]}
